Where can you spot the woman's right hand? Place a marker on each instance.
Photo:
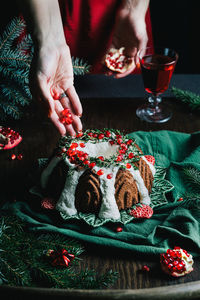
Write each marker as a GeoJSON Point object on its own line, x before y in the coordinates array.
{"type": "Point", "coordinates": [52, 74]}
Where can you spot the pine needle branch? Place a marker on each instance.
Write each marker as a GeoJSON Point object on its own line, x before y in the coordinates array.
{"type": "Point", "coordinates": [190, 98]}
{"type": "Point", "coordinates": [23, 261]}
{"type": "Point", "coordinates": [80, 67]}
{"type": "Point", "coordinates": [192, 178]}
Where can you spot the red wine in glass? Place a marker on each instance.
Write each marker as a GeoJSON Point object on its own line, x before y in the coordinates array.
{"type": "Point", "coordinates": [157, 70]}
{"type": "Point", "coordinates": [157, 66]}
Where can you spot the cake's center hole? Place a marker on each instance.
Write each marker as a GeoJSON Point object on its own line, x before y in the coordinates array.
{"type": "Point", "coordinates": [104, 149]}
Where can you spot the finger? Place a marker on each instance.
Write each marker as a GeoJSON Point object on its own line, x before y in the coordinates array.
{"type": "Point", "coordinates": [55, 119]}
{"type": "Point", "coordinates": [77, 124]}
{"type": "Point", "coordinates": [126, 73]}
{"type": "Point", "coordinates": [75, 101]}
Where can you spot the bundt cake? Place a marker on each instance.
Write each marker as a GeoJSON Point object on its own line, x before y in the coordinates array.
{"type": "Point", "coordinates": [100, 172]}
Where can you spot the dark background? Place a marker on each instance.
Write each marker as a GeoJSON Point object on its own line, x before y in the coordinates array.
{"type": "Point", "coordinates": [175, 25]}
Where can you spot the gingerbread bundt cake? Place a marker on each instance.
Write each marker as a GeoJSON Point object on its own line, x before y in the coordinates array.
{"type": "Point", "coordinates": [100, 172]}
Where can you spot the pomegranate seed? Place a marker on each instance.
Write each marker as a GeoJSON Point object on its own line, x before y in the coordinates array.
{"type": "Point", "coordinates": [92, 165]}
{"type": "Point", "coordinates": [109, 176]}
{"type": "Point", "coordinates": [131, 155]}
{"type": "Point", "coordinates": [82, 145]}
{"type": "Point", "coordinates": [100, 172]}
{"type": "Point", "coordinates": [65, 112]}
{"type": "Point", "coordinates": [145, 268]}
{"type": "Point", "coordinates": [13, 156]}
{"type": "Point", "coordinates": [101, 158]}
{"type": "Point", "coordinates": [108, 133]}
{"type": "Point", "coordinates": [129, 142]}
{"type": "Point", "coordinates": [20, 156]}
{"type": "Point", "coordinates": [180, 199]}
{"type": "Point", "coordinates": [100, 136]}
{"type": "Point", "coordinates": [119, 229]}
{"type": "Point", "coordinates": [128, 166]}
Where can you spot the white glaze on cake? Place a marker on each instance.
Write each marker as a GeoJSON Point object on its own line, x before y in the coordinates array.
{"type": "Point", "coordinates": [109, 208]}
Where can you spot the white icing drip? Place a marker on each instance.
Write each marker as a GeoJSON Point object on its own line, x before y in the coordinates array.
{"type": "Point", "coordinates": [48, 170]}
{"type": "Point", "coordinates": [152, 168]}
{"type": "Point", "coordinates": [66, 202]}
{"type": "Point", "coordinates": [109, 208]}
{"type": "Point", "coordinates": [142, 190]}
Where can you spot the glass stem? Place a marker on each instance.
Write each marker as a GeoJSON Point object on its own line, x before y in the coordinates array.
{"type": "Point", "coordinates": [154, 102]}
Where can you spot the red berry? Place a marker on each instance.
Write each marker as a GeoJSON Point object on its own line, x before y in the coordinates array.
{"type": "Point", "coordinates": [128, 166]}
{"type": "Point", "coordinates": [145, 268]}
{"type": "Point", "coordinates": [65, 112]}
{"type": "Point", "coordinates": [100, 172]}
{"type": "Point", "coordinates": [90, 134]}
{"type": "Point", "coordinates": [111, 142]}
{"type": "Point", "coordinates": [119, 157]}
{"type": "Point", "coordinates": [101, 158]}
{"type": "Point", "coordinates": [13, 156]}
{"type": "Point", "coordinates": [74, 145]}
{"type": "Point", "coordinates": [109, 176]}
{"type": "Point", "coordinates": [180, 199]}
{"type": "Point", "coordinates": [82, 145]}
{"type": "Point", "coordinates": [131, 155]}
{"type": "Point", "coordinates": [79, 134]}
{"type": "Point", "coordinates": [19, 156]}
{"type": "Point", "coordinates": [129, 142]}
{"type": "Point", "coordinates": [86, 162]}
{"type": "Point", "coordinates": [119, 141]}
{"type": "Point", "coordinates": [108, 133]}
{"type": "Point", "coordinates": [100, 136]}
{"type": "Point", "coordinates": [119, 229]}
{"type": "Point", "coordinates": [68, 121]}
{"type": "Point", "coordinates": [55, 94]}
{"type": "Point", "coordinates": [92, 165]}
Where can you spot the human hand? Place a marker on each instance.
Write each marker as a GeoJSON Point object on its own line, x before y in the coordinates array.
{"type": "Point", "coordinates": [52, 74]}
{"type": "Point", "coordinates": [130, 32]}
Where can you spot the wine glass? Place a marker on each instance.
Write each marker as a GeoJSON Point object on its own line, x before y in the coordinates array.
{"type": "Point", "coordinates": [157, 65]}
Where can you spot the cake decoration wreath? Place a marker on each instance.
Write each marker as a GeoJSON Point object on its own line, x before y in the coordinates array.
{"type": "Point", "coordinates": [102, 176]}
{"type": "Point", "coordinates": [125, 154]}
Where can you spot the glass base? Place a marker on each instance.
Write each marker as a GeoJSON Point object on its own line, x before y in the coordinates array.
{"type": "Point", "coordinates": [152, 115]}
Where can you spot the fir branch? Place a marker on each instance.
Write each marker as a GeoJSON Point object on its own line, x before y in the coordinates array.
{"type": "Point", "coordinates": [192, 178]}
{"type": "Point", "coordinates": [191, 196]}
{"type": "Point", "coordinates": [10, 110]}
{"type": "Point", "coordinates": [192, 99]}
{"type": "Point", "coordinates": [80, 67]}
{"type": "Point", "coordinates": [15, 63]}
{"type": "Point", "coordinates": [23, 262]}
{"type": "Point", "coordinates": [12, 31]}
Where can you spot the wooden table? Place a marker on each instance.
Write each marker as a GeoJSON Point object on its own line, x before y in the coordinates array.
{"type": "Point", "coordinates": [40, 138]}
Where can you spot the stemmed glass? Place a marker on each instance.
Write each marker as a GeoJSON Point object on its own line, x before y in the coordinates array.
{"type": "Point", "coordinates": [157, 65]}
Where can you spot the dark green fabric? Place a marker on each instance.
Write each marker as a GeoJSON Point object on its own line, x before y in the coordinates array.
{"type": "Point", "coordinates": [173, 224]}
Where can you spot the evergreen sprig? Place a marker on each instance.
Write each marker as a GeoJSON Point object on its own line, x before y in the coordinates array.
{"type": "Point", "coordinates": [190, 98]}
{"type": "Point", "coordinates": [16, 54]}
{"type": "Point", "coordinates": [23, 261]}
{"type": "Point", "coordinates": [192, 178]}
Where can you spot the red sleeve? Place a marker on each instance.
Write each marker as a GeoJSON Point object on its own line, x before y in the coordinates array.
{"type": "Point", "coordinates": [88, 26]}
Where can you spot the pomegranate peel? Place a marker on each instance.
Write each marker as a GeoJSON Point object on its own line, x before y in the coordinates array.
{"type": "Point", "coordinates": [9, 138]}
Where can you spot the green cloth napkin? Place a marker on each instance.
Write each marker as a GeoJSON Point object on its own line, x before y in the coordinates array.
{"type": "Point", "coordinates": [176, 223]}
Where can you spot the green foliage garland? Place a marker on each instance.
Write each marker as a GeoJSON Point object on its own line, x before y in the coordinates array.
{"type": "Point", "coordinates": [23, 261]}
{"type": "Point", "coordinates": [15, 62]}
{"type": "Point", "coordinates": [192, 99]}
